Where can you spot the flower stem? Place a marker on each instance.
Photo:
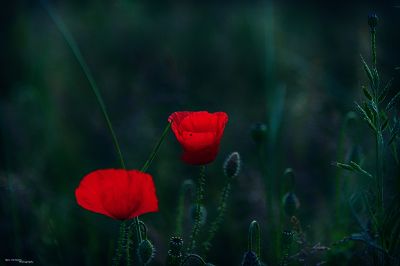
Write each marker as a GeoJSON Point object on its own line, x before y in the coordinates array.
{"type": "Point", "coordinates": [121, 238]}
{"type": "Point", "coordinates": [155, 149]}
{"type": "Point", "coordinates": [199, 200]}
{"type": "Point", "coordinates": [220, 216]}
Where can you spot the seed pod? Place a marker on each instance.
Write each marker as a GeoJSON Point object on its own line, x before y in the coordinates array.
{"type": "Point", "coordinates": [290, 203]}
{"type": "Point", "coordinates": [175, 257]}
{"type": "Point", "coordinates": [232, 165]}
{"type": "Point", "coordinates": [259, 132]}
{"type": "Point", "coordinates": [145, 251]}
{"type": "Point", "coordinates": [250, 259]}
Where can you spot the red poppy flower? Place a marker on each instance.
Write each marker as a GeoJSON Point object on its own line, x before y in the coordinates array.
{"type": "Point", "coordinates": [117, 193]}
{"type": "Point", "coordinates": [199, 133]}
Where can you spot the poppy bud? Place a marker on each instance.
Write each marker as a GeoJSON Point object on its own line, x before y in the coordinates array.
{"type": "Point", "coordinates": [259, 132]}
{"type": "Point", "coordinates": [145, 251]}
{"type": "Point", "coordinates": [175, 257]}
{"type": "Point", "coordinates": [202, 214]}
{"type": "Point", "coordinates": [372, 20]}
{"type": "Point", "coordinates": [250, 259]}
{"type": "Point", "coordinates": [232, 165]}
{"type": "Point", "coordinates": [290, 203]}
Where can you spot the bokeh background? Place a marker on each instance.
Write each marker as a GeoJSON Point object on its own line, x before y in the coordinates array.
{"type": "Point", "coordinates": [293, 65]}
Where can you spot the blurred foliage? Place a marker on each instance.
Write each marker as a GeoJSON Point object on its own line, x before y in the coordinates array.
{"type": "Point", "coordinates": [297, 61]}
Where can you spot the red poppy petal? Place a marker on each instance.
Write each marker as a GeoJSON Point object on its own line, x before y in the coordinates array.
{"type": "Point", "coordinates": [199, 122]}
{"type": "Point", "coordinates": [192, 141]}
{"type": "Point", "coordinates": [148, 202]}
{"type": "Point", "coordinates": [122, 194]}
{"type": "Point", "coordinates": [117, 193]}
{"type": "Point", "coordinates": [88, 194]}
{"type": "Point", "coordinates": [178, 116]}
{"type": "Point", "coordinates": [200, 157]}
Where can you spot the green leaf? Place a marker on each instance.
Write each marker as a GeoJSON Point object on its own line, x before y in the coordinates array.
{"type": "Point", "coordinates": [343, 166]}
{"type": "Point", "coordinates": [367, 93]}
{"type": "Point", "coordinates": [366, 117]}
{"type": "Point", "coordinates": [392, 138]}
{"type": "Point", "coordinates": [359, 169]}
{"type": "Point", "coordinates": [385, 124]}
{"type": "Point", "coordinates": [368, 71]}
{"type": "Point", "coordinates": [371, 112]}
{"type": "Point", "coordinates": [384, 91]}
{"type": "Point", "coordinates": [393, 101]}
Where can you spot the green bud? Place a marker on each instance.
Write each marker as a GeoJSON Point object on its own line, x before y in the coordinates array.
{"type": "Point", "coordinates": [259, 132]}
{"type": "Point", "coordinates": [145, 251]}
{"type": "Point", "coordinates": [250, 259]}
{"type": "Point", "coordinates": [290, 203]}
{"type": "Point", "coordinates": [232, 165]}
{"type": "Point", "coordinates": [175, 257]}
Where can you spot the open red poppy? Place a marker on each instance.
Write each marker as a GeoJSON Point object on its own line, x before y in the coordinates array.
{"type": "Point", "coordinates": [117, 193]}
{"type": "Point", "coordinates": [199, 133]}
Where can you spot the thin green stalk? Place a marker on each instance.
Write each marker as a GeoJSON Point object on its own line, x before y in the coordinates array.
{"type": "Point", "coordinates": [78, 55]}
{"type": "Point", "coordinates": [199, 200]}
{"type": "Point", "coordinates": [339, 184]}
{"type": "Point", "coordinates": [373, 45]}
{"type": "Point", "coordinates": [155, 149]}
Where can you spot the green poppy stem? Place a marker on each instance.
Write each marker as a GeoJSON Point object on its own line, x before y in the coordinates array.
{"type": "Point", "coordinates": [199, 200]}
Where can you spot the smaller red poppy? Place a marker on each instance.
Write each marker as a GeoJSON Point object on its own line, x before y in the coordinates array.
{"type": "Point", "coordinates": [199, 133]}
{"type": "Point", "coordinates": [117, 193]}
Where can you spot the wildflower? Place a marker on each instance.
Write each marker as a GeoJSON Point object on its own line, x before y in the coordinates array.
{"type": "Point", "coordinates": [117, 193]}
{"type": "Point", "coordinates": [199, 133]}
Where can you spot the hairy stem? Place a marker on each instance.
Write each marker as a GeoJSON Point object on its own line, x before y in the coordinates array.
{"type": "Point", "coordinates": [220, 216]}
{"type": "Point", "coordinates": [120, 244]}
{"type": "Point", "coordinates": [199, 200]}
